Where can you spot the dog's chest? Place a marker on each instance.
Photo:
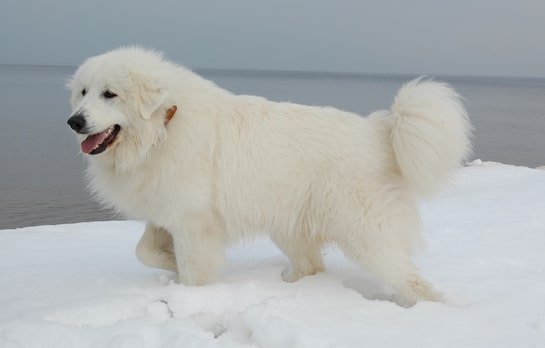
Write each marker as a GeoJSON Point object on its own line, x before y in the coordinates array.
{"type": "Point", "coordinates": [155, 193]}
{"type": "Point", "coordinates": [136, 195]}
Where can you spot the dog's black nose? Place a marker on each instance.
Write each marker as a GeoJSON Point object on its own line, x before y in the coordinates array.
{"type": "Point", "coordinates": [77, 122]}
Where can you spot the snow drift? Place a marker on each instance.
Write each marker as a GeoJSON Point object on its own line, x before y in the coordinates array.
{"type": "Point", "coordinates": [81, 285]}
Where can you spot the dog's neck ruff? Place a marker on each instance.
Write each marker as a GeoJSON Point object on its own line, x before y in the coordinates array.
{"type": "Point", "coordinates": [170, 113]}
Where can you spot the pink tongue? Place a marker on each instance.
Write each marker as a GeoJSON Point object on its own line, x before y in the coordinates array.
{"type": "Point", "coordinates": [92, 141]}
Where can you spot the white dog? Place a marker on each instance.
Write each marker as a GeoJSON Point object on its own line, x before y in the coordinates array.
{"type": "Point", "coordinates": [205, 168]}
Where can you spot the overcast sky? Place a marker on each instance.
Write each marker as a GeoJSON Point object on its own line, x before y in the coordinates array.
{"type": "Point", "coordinates": [462, 37]}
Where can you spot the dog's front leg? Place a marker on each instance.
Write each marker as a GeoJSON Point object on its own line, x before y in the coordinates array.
{"type": "Point", "coordinates": [199, 249]}
{"type": "Point", "coordinates": [155, 248]}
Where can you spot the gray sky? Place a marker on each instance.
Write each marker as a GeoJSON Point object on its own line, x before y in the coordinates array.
{"type": "Point", "coordinates": [462, 37]}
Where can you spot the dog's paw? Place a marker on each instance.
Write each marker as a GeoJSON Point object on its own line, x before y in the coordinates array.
{"type": "Point", "coordinates": [193, 278]}
{"type": "Point", "coordinates": [289, 276]}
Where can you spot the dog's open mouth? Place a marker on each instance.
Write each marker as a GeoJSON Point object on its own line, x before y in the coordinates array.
{"type": "Point", "coordinates": [99, 142]}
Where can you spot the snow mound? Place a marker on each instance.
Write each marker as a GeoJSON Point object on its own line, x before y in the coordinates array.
{"type": "Point", "coordinates": [80, 285]}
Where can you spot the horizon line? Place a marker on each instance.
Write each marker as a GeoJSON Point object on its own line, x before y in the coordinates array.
{"type": "Point", "coordinates": [304, 73]}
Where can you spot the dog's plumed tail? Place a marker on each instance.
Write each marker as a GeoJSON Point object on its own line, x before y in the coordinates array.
{"type": "Point", "coordinates": [430, 133]}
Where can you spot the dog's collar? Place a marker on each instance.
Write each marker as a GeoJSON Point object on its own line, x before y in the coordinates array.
{"type": "Point", "coordinates": [170, 113]}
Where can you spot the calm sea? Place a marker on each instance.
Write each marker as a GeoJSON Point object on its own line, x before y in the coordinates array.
{"type": "Point", "coordinates": [41, 170]}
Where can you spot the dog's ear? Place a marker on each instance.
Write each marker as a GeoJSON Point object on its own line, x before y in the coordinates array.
{"type": "Point", "coordinates": [150, 101]}
{"type": "Point", "coordinates": [149, 97]}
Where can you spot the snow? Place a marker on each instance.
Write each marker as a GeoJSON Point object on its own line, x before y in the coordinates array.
{"type": "Point", "coordinates": [80, 285]}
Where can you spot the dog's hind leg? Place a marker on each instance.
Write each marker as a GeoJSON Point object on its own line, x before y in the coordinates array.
{"type": "Point", "coordinates": [304, 254]}
{"type": "Point", "coordinates": [395, 269]}
{"type": "Point", "coordinates": [382, 241]}
{"type": "Point", "coordinates": [383, 248]}
{"type": "Point", "coordinates": [155, 248]}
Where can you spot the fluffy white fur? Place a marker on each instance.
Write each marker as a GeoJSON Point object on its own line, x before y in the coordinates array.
{"type": "Point", "coordinates": [228, 167]}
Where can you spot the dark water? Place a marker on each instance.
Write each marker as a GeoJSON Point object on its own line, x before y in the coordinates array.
{"type": "Point", "coordinates": [40, 167]}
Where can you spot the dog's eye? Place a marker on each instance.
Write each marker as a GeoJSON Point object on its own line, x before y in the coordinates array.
{"type": "Point", "coordinates": [83, 92]}
{"type": "Point", "coordinates": [109, 95]}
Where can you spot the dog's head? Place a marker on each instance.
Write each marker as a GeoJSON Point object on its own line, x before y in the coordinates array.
{"type": "Point", "coordinates": [119, 103]}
